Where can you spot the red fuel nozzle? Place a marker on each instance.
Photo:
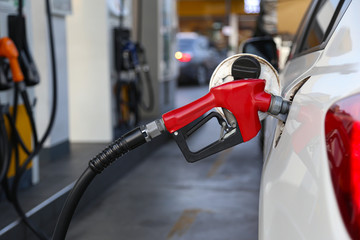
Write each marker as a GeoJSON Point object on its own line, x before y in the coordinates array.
{"type": "Point", "coordinates": [9, 51]}
{"type": "Point", "coordinates": [243, 98]}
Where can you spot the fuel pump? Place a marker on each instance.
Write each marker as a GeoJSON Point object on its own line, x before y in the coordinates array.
{"type": "Point", "coordinates": [125, 90]}
{"type": "Point", "coordinates": [241, 99]}
{"type": "Point", "coordinates": [9, 51]}
{"type": "Point", "coordinates": [133, 74]}
{"type": "Point", "coordinates": [30, 77]}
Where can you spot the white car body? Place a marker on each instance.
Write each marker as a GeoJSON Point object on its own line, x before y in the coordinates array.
{"type": "Point", "coordinates": [297, 199]}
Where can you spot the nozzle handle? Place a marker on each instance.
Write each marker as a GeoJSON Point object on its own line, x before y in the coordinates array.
{"type": "Point", "coordinates": [233, 138]}
{"type": "Point", "coordinates": [243, 98]}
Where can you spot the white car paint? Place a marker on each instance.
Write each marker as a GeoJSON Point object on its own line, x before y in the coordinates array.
{"type": "Point", "coordinates": [297, 199]}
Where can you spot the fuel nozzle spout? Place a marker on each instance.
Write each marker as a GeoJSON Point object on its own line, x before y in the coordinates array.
{"type": "Point", "coordinates": [278, 105]}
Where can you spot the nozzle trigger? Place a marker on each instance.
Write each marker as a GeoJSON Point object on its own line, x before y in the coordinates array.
{"type": "Point", "coordinates": [230, 136]}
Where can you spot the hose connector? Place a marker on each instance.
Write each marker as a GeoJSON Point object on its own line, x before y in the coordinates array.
{"type": "Point", "coordinates": [153, 129]}
{"type": "Point", "coordinates": [278, 105]}
{"type": "Point", "coordinates": [126, 143]}
{"type": "Point", "coordinates": [129, 141]}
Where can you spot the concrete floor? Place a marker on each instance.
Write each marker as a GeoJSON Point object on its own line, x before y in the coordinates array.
{"type": "Point", "coordinates": [167, 198]}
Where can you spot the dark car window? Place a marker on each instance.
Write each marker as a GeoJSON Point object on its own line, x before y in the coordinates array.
{"type": "Point", "coordinates": [186, 45]}
{"type": "Point", "coordinates": [203, 44]}
{"type": "Point", "coordinates": [320, 24]}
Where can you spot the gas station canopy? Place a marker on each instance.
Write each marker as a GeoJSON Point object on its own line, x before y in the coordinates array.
{"type": "Point", "coordinates": [193, 8]}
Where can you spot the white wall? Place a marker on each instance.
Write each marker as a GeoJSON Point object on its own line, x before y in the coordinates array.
{"type": "Point", "coordinates": [89, 72]}
{"type": "Point", "coordinates": [38, 28]}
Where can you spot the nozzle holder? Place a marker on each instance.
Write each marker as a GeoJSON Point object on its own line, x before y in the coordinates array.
{"type": "Point", "coordinates": [181, 135]}
{"type": "Point", "coordinates": [243, 98]}
{"type": "Point", "coordinates": [9, 51]}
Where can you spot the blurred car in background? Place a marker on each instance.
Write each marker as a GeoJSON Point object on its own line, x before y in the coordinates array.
{"type": "Point", "coordinates": [197, 58]}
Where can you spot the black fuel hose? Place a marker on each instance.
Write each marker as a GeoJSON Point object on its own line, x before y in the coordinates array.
{"type": "Point", "coordinates": [28, 108]}
{"type": "Point", "coordinates": [15, 103]}
{"type": "Point", "coordinates": [20, 169]}
{"type": "Point", "coordinates": [118, 148]}
{"type": "Point", "coordinates": [16, 133]}
{"type": "Point", "coordinates": [4, 148]}
{"type": "Point", "coordinates": [11, 195]}
{"type": "Point", "coordinates": [72, 202]}
{"type": "Point", "coordinates": [54, 88]}
{"type": "Point", "coordinates": [4, 180]}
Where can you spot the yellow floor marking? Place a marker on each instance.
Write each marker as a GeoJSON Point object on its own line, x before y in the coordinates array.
{"type": "Point", "coordinates": [185, 221]}
{"type": "Point", "coordinates": [219, 162]}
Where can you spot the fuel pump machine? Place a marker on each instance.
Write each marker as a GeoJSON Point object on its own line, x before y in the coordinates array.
{"type": "Point", "coordinates": [15, 151]}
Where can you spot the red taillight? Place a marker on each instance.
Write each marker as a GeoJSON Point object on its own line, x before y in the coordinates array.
{"type": "Point", "coordinates": [183, 57]}
{"type": "Point", "coordinates": [342, 132]}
